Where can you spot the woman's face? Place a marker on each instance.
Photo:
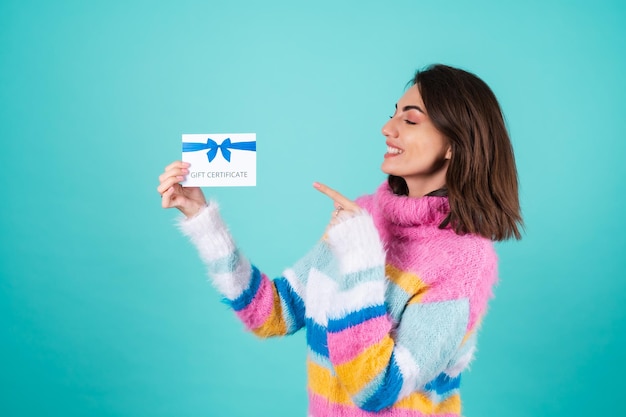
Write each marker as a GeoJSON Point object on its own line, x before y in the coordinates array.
{"type": "Point", "coordinates": [416, 150]}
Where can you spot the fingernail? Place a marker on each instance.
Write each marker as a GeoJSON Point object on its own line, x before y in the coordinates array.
{"type": "Point", "coordinates": [316, 184]}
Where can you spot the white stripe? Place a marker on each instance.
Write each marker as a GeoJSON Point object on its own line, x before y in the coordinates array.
{"type": "Point", "coordinates": [408, 368]}
{"type": "Point", "coordinates": [209, 233]}
{"type": "Point", "coordinates": [320, 360]}
{"type": "Point", "coordinates": [356, 244]}
{"type": "Point", "coordinates": [460, 364]}
{"type": "Point", "coordinates": [233, 284]}
{"type": "Point", "coordinates": [364, 295]}
{"type": "Point", "coordinates": [295, 282]}
{"type": "Point", "coordinates": [319, 290]}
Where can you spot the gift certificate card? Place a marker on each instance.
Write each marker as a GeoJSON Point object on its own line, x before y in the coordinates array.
{"type": "Point", "coordinates": [220, 159]}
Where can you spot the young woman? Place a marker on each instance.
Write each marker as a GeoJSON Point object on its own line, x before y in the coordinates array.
{"type": "Point", "coordinates": [392, 296]}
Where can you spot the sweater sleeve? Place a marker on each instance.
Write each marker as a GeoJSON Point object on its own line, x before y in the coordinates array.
{"type": "Point", "coordinates": [267, 307]}
{"type": "Point", "coordinates": [381, 358]}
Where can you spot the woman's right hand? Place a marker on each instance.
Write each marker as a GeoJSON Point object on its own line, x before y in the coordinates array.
{"type": "Point", "coordinates": [189, 200]}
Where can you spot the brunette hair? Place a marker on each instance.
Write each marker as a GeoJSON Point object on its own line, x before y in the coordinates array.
{"type": "Point", "coordinates": [481, 180]}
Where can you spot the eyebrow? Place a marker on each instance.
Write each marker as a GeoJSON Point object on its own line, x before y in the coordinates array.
{"type": "Point", "coordinates": [412, 107]}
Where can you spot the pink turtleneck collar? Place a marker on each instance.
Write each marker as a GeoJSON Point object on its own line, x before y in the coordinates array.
{"type": "Point", "coordinates": [403, 210]}
{"type": "Point", "coordinates": [401, 217]}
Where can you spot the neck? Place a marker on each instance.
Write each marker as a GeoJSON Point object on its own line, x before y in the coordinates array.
{"type": "Point", "coordinates": [421, 191]}
{"type": "Point", "coordinates": [419, 186]}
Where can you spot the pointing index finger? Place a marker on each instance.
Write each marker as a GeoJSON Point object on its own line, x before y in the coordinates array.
{"type": "Point", "coordinates": [334, 195]}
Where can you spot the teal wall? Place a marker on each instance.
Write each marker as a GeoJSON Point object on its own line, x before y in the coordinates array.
{"type": "Point", "coordinates": [105, 308]}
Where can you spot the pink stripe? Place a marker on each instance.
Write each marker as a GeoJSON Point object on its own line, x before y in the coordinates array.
{"type": "Point", "coordinates": [477, 288]}
{"type": "Point", "coordinates": [320, 407]}
{"type": "Point", "coordinates": [478, 303]}
{"type": "Point", "coordinates": [260, 308]}
{"type": "Point", "coordinates": [450, 276]}
{"type": "Point", "coordinates": [349, 343]}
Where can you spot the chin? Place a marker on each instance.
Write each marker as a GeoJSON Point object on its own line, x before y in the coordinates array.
{"type": "Point", "coordinates": [385, 169]}
{"type": "Point", "coordinates": [389, 171]}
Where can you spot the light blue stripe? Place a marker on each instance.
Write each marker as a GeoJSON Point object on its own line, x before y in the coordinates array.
{"type": "Point", "coordinates": [469, 344]}
{"type": "Point", "coordinates": [225, 265]}
{"type": "Point", "coordinates": [325, 261]}
{"type": "Point", "coordinates": [396, 300]}
{"type": "Point", "coordinates": [248, 295]}
{"type": "Point", "coordinates": [369, 390]}
{"type": "Point", "coordinates": [288, 317]}
{"type": "Point", "coordinates": [368, 275]}
{"type": "Point", "coordinates": [316, 337]}
{"type": "Point", "coordinates": [443, 383]}
{"type": "Point", "coordinates": [319, 256]}
{"type": "Point", "coordinates": [321, 360]}
{"type": "Point", "coordinates": [444, 396]}
{"type": "Point", "coordinates": [388, 389]}
{"type": "Point", "coordinates": [432, 332]}
{"type": "Point", "coordinates": [292, 305]}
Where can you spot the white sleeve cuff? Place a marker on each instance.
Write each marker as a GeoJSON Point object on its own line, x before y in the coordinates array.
{"type": "Point", "coordinates": [209, 233]}
{"type": "Point", "coordinates": [356, 243]}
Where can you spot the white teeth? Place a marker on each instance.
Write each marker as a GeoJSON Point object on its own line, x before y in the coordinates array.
{"type": "Point", "coordinates": [394, 150]}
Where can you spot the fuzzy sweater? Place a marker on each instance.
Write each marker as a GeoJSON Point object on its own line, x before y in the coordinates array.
{"type": "Point", "coordinates": [390, 302]}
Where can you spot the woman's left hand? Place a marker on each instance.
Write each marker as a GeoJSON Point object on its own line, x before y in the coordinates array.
{"type": "Point", "coordinates": [343, 205]}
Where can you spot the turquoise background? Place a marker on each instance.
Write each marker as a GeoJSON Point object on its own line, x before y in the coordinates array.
{"type": "Point", "coordinates": [105, 308]}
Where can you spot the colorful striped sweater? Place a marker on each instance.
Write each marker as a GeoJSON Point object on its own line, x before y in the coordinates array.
{"type": "Point", "coordinates": [390, 302]}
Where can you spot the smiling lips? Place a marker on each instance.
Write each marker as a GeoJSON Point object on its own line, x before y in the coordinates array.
{"type": "Point", "coordinates": [391, 151]}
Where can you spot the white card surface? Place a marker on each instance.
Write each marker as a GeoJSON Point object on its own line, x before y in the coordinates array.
{"type": "Point", "coordinates": [220, 159]}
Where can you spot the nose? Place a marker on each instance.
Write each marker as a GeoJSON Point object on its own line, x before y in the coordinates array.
{"type": "Point", "coordinates": [389, 129]}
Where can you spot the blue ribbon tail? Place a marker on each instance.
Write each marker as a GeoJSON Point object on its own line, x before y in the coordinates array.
{"type": "Point", "coordinates": [212, 153]}
{"type": "Point", "coordinates": [192, 146]}
{"type": "Point", "coordinates": [225, 153]}
{"type": "Point", "coordinates": [243, 146]}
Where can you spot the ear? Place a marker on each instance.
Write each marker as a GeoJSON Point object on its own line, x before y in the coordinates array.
{"type": "Point", "coordinates": [449, 152]}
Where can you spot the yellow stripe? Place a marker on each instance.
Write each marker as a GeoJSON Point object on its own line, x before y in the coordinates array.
{"type": "Point", "coordinates": [474, 329]}
{"type": "Point", "coordinates": [409, 282]}
{"type": "Point", "coordinates": [275, 324]}
{"type": "Point", "coordinates": [467, 336]}
{"type": "Point", "coordinates": [451, 405]}
{"type": "Point", "coordinates": [360, 371]}
{"type": "Point", "coordinates": [418, 401]}
{"type": "Point", "coordinates": [323, 383]}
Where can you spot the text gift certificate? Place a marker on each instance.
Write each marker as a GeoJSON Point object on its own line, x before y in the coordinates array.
{"type": "Point", "coordinates": [220, 159]}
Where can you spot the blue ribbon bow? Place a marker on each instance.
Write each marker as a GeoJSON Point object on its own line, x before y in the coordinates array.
{"type": "Point", "coordinates": [213, 147]}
